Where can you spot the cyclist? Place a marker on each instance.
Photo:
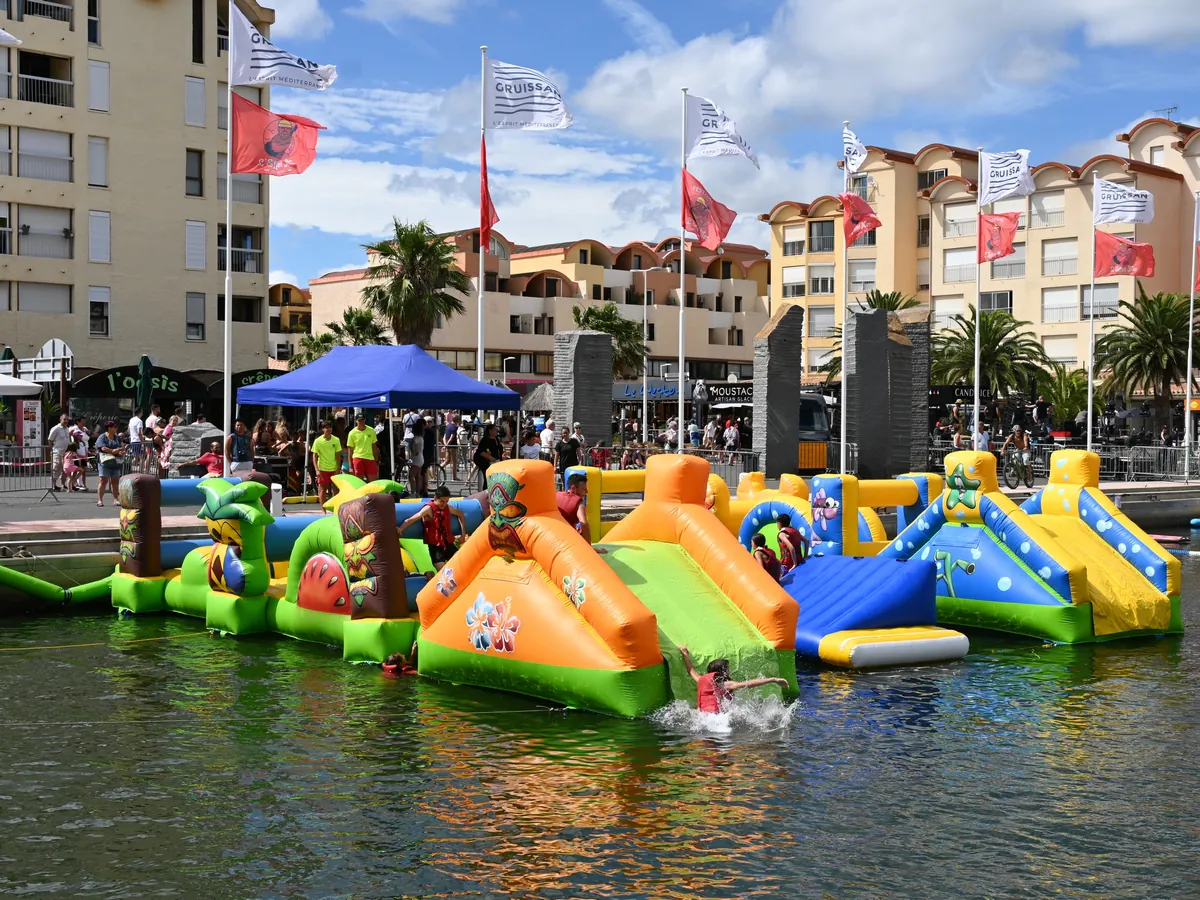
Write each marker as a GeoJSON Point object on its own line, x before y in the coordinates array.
{"type": "Point", "coordinates": [1020, 443]}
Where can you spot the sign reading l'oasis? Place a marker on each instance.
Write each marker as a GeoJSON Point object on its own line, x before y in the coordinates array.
{"type": "Point", "coordinates": [169, 384]}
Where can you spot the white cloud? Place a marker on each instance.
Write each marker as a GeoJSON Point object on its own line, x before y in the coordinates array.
{"type": "Point", "coordinates": [1079, 153]}
{"type": "Point", "coordinates": [648, 32]}
{"type": "Point", "coordinates": [282, 276]}
{"type": "Point", "coordinates": [337, 145]}
{"type": "Point", "coordinates": [299, 19]}
{"type": "Point", "coordinates": [439, 12]}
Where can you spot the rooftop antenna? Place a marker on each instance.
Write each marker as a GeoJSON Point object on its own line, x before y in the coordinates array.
{"type": "Point", "coordinates": [1170, 112]}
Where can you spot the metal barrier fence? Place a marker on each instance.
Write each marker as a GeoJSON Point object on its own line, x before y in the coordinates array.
{"type": "Point", "coordinates": [730, 465]}
{"type": "Point", "coordinates": [1117, 462]}
{"type": "Point", "coordinates": [833, 458]}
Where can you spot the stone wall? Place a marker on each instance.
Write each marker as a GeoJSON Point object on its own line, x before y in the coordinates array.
{"type": "Point", "coordinates": [916, 324]}
{"type": "Point", "coordinates": [778, 369]}
{"type": "Point", "coordinates": [583, 383]}
{"type": "Point", "coordinates": [865, 363]}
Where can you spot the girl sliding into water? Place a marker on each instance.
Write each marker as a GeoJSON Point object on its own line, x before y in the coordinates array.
{"type": "Point", "coordinates": [714, 690]}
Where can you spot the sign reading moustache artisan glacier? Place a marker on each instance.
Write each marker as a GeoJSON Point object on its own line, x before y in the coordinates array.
{"type": "Point", "coordinates": [255, 60]}
{"type": "Point", "coordinates": [518, 97]}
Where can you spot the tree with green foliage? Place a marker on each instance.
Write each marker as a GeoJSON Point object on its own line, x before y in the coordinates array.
{"type": "Point", "coordinates": [1010, 357]}
{"type": "Point", "coordinates": [892, 301]}
{"type": "Point", "coordinates": [1146, 351]}
{"type": "Point", "coordinates": [1066, 389]}
{"type": "Point", "coordinates": [359, 328]}
{"type": "Point", "coordinates": [413, 281]}
{"type": "Point", "coordinates": [629, 349]}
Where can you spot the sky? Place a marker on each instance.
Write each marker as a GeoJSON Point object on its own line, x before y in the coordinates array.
{"type": "Point", "coordinates": [1059, 77]}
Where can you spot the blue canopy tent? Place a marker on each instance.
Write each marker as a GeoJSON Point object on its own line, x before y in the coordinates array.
{"type": "Point", "coordinates": [379, 377]}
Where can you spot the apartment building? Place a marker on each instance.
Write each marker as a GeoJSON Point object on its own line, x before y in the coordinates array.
{"type": "Point", "coordinates": [529, 294]}
{"type": "Point", "coordinates": [290, 317]}
{"type": "Point", "coordinates": [926, 244]}
{"type": "Point", "coordinates": [113, 119]}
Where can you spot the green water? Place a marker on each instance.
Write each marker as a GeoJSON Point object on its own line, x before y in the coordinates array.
{"type": "Point", "coordinates": [205, 767]}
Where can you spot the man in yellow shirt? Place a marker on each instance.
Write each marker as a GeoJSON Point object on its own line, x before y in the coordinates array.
{"type": "Point", "coordinates": [327, 457]}
{"type": "Point", "coordinates": [364, 449]}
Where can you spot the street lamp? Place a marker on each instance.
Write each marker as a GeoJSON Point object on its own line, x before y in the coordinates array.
{"type": "Point", "coordinates": [504, 369]}
{"type": "Point", "coordinates": [645, 348]}
{"type": "Point", "coordinates": [662, 371]}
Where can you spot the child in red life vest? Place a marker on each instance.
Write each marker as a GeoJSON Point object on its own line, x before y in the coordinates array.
{"type": "Point", "coordinates": [399, 664]}
{"type": "Point", "coordinates": [714, 690]}
{"type": "Point", "coordinates": [765, 556]}
{"type": "Point", "coordinates": [439, 533]}
{"type": "Point", "coordinates": [793, 546]}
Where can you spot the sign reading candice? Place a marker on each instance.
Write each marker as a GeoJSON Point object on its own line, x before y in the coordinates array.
{"type": "Point", "coordinates": [168, 384]}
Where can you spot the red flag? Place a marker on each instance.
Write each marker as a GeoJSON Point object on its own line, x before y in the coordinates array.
{"type": "Point", "coordinates": [857, 217]}
{"type": "Point", "coordinates": [487, 212]}
{"type": "Point", "coordinates": [269, 143]}
{"type": "Point", "coordinates": [1118, 256]}
{"type": "Point", "coordinates": [702, 215]}
{"type": "Point", "coordinates": [996, 233]}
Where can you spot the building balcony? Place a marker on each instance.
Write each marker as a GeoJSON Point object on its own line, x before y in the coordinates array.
{"type": "Point", "coordinates": [52, 91]}
{"type": "Point", "coordinates": [823, 244]}
{"type": "Point", "coordinates": [222, 42]}
{"type": "Point", "coordinates": [821, 331]}
{"type": "Point", "coordinates": [1050, 219]}
{"type": "Point", "coordinates": [247, 261]}
{"type": "Point", "coordinates": [5, 156]}
{"type": "Point", "coordinates": [45, 9]}
{"type": "Point", "coordinates": [861, 287]}
{"type": "Point", "coordinates": [245, 189]}
{"type": "Point", "coordinates": [1056, 314]}
{"type": "Point", "coordinates": [793, 248]}
{"type": "Point", "coordinates": [1060, 266]}
{"type": "Point", "coordinates": [1008, 269]}
{"type": "Point", "coordinates": [6, 239]}
{"type": "Point", "coordinates": [793, 290]}
{"type": "Point", "coordinates": [959, 229]}
{"type": "Point", "coordinates": [1104, 310]}
{"type": "Point", "coordinates": [954, 274]}
{"type": "Point", "coordinates": [48, 245]}
{"type": "Point", "coordinates": [44, 168]}
{"type": "Point", "coordinates": [223, 117]}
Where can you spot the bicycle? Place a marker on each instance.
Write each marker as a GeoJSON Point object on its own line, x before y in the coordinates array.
{"type": "Point", "coordinates": [1018, 467]}
{"type": "Point", "coordinates": [435, 475]}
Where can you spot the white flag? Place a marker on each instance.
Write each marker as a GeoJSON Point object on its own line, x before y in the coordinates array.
{"type": "Point", "coordinates": [255, 60]}
{"type": "Point", "coordinates": [518, 97]}
{"type": "Point", "coordinates": [712, 133]}
{"type": "Point", "coordinates": [853, 151]}
{"type": "Point", "coordinates": [1004, 175]}
{"type": "Point", "coordinates": [1117, 203]}
{"type": "Point", "coordinates": [7, 40]}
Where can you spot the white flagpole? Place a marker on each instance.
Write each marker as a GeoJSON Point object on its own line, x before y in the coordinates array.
{"type": "Point", "coordinates": [1092, 323]}
{"type": "Point", "coordinates": [1187, 403]}
{"type": "Point", "coordinates": [227, 390]}
{"type": "Point", "coordinates": [845, 398]}
{"type": "Point", "coordinates": [978, 302]}
{"type": "Point", "coordinates": [679, 430]}
{"type": "Point", "coordinates": [479, 353]}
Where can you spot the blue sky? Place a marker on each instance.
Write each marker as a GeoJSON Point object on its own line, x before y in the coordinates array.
{"type": "Point", "coordinates": [1060, 77]}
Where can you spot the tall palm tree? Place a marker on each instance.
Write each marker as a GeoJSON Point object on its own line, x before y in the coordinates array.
{"type": "Point", "coordinates": [892, 301]}
{"type": "Point", "coordinates": [358, 328]}
{"type": "Point", "coordinates": [628, 347]}
{"type": "Point", "coordinates": [1066, 389]}
{"type": "Point", "coordinates": [1009, 355]}
{"type": "Point", "coordinates": [411, 281]}
{"type": "Point", "coordinates": [1146, 351]}
{"type": "Point", "coordinates": [311, 348]}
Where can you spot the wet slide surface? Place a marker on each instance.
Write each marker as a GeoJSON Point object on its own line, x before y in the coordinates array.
{"type": "Point", "coordinates": [691, 610]}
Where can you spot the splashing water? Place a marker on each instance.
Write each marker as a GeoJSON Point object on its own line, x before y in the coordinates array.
{"type": "Point", "coordinates": [744, 715]}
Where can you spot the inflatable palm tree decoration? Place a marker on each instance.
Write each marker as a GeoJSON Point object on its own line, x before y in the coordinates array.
{"type": "Point", "coordinates": [236, 518]}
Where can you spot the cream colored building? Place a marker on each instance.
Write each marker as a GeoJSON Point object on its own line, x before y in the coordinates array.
{"type": "Point", "coordinates": [926, 244]}
{"type": "Point", "coordinates": [529, 293]}
{"type": "Point", "coordinates": [113, 125]}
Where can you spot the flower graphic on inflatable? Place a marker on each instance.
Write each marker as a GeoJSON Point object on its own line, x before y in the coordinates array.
{"type": "Point", "coordinates": [446, 584]}
{"type": "Point", "coordinates": [574, 587]}
{"type": "Point", "coordinates": [478, 630]}
{"type": "Point", "coordinates": [824, 509]}
{"type": "Point", "coordinates": [503, 626]}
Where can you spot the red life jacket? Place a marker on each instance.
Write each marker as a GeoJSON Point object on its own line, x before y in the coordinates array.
{"type": "Point", "coordinates": [772, 565]}
{"type": "Point", "coordinates": [785, 555]}
{"type": "Point", "coordinates": [710, 694]}
{"type": "Point", "coordinates": [568, 507]}
{"type": "Point", "coordinates": [438, 532]}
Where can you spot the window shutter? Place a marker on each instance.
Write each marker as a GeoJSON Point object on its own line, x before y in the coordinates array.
{"type": "Point", "coordinates": [1065, 249]}
{"type": "Point", "coordinates": [44, 143]}
{"type": "Point", "coordinates": [195, 246]}
{"type": "Point", "coordinates": [962, 256]}
{"type": "Point", "coordinates": [1047, 201]}
{"type": "Point", "coordinates": [98, 85]}
{"type": "Point", "coordinates": [793, 274]}
{"type": "Point", "coordinates": [98, 161]}
{"type": "Point", "coordinates": [960, 212]}
{"type": "Point", "coordinates": [44, 298]}
{"type": "Point", "coordinates": [99, 237]}
{"type": "Point", "coordinates": [193, 101]}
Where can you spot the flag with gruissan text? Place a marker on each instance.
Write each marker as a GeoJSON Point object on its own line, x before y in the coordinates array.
{"type": "Point", "coordinates": [1114, 202]}
{"type": "Point", "coordinates": [1004, 175]}
{"type": "Point", "coordinates": [519, 97]}
{"type": "Point", "coordinates": [712, 133]}
{"type": "Point", "coordinates": [253, 59]}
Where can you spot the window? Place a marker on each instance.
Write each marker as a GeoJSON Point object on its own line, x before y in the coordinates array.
{"type": "Point", "coordinates": [960, 220]}
{"type": "Point", "coordinates": [818, 358]}
{"type": "Point", "coordinates": [820, 237]}
{"type": "Point", "coordinates": [1011, 205]}
{"type": "Point", "coordinates": [923, 274]}
{"type": "Point", "coordinates": [198, 31]}
{"type": "Point", "coordinates": [649, 298]}
{"type": "Point", "coordinates": [820, 321]}
{"type": "Point", "coordinates": [820, 279]}
{"type": "Point", "coordinates": [195, 317]}
{"type": "Point", "coordinates": [958, 264]}
{"type": "Point", "coordinates": [497, 250]}
{"type": "Point", "coordinates": [691, 298]}
{"type": "Point", "coordinates": [222, 175]}
{"type": "Point", "coordinates": [1061, 348]}
{"type": "Point", "coordinates": [865, 240]}
{"type": "Point", "coordinates": [995, 301]}
{"type": "Point", "coordinates": [245, 309]}
{"type": "Point", "coordinates": [922, 231]}
{"type": "Point", "coordinates": [94, 22]}
{"type": "Point", "coordinates": [1011, 266]}
{"type": "Point", "coordinates": [650, 332]}
{"type": "Point", "coordinates": [5, 74]}
{"type": "Point", "coordinates": [222, 105]}
{"type": "Point", "coordinates": [739, 337]}
{"type": "Point", "coordinates": [862, 275]}
{"type": "Point", "coordinates": [99, 237]}
{"type": "Point", "coordinates": [793, 281]}
{"type": "Point", "coordinates": [1060, 257]}
{"type": "Point", "coordinates": [1108, 299]}
{"type": "Point", "coordinates": [793, 240]}
{"type": "Point", "coordinates": [45, 231]}
{"type": "Point", "coordinates": [45, 155]}
{"type": "Point", "coordinates": [944, 311]}
{"type": "Point", "coordinates": [596, 289]}
{"type": "Point", "coordinates": [97, 86]}
{"type": "Point", "coordinates": [1047, 209]}
{"type": "Point", "coordinates": [5, 302]}
{"type": "Point", "coordinates": [926, 180]}
{"type": "Point", "coordinates": [5, 149]}
{"type": "Point", "coordinates": [726, 269]}
{"type": "Point", "coordinates": [583, 257]}
{"type": "Point", "coordinates": [608, 295]}
{"type": "Point", "coordinates": [859, 185]}
{"type": "Point", "coordinates": [245, 250]}
{"type": "Point", "coordinates": [1059, 305]}
{"type": "Point", "coordinates": [637, 260]}
{"type": "Point", "coordinates": [1156, 156]}
{"type": "Point", "coordinates": [514, 324]}
{"type": "Point", "coordinates": [6, 232]}
{"type": "Point", "coordinates": [543, 363]}
{"type": "Point", "coordinates": [552, 287]}
{"type": "Point", "coordinates": [98, 311]}
{"type": "Point", "coordinates": [195, 246]}
{"type": "Point", "coordinates": [543, 325]}
{"type": "Point", "coordinates": [44, 298]}
{"type": "Point", "coordinates": [98, 161]}
{"type": "Point", "coordinates": [737, 303]}
{"type": "Point", "coordinates": [193, 101]}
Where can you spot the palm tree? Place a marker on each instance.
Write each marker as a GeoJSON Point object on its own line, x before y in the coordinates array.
{"type": "Point", "coordinates": [892, 301]}
{"type": "Point", "coordinates": [1146, 351]}
{"type": "Point", "coordinates": [412, 279]}
{"type": "Point", "coordinates": [629, 349]}
{"type": "Point", "coordinates": [1066, 390]}
{"type": "Point", "coordinates": [311, 348]}
{"type": "Point", "coordinates": [359, 327]}
{"type": "Point", "coordinates": [1010, 357]}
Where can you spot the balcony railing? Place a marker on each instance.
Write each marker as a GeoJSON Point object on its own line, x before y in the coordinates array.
{"type": "Point", "coordinates": [951, 274]}
{"type": "Point", "coordinates": [822, 331]}
{"type": "Point", "coordinates": [47, 244]}
{"type": "Point", "coordinates": [1104, 310]}
{"type": "Point", "coordinates": [60, 12]}
{"type": "Point", "coordinates": [959, 229]}
{"type": "Point", "coordinates": [1049, 219]}
{"type": "Point", "coordinates": [1059, 314]}
{"type": "Point", "coordinates": [793, 248]}
{"type": "Point", "coordinates": [942, 321]}
{"type": "Point", "coordinates": [1060, 266]}
{"type": "Point", "coordinates": [1008, 269]}
{"type": "Point", "coordinates": [222, 43]}
{"type": "Point", "coordinates": [821, 244]}
{"type": "Point", "coordinates": [793, 290]}
{"type": "Point", "coordinates": [6, 245]}
{"type": "Point", "coordinates": [223, 117]}
{"type": "Point", "coordinates": [44, 168]}
{"type": "Point", "coordinates": [54, 91]}
{"type": "Point", "coordinates": [247, 261]}
{"type": "Point", "coordinates": [861, 287]}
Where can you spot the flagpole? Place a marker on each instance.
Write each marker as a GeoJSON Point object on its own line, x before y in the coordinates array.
{"type": "Point", "coordinates": [679, 428]}
{"type": "Point", "coordinates": [479, 354]}
{"type": "Point", "coordinates": [1092, 323]}
{"type": "Point", "coordinates": [1187, 404]}
{"type": "Point", "coordinates": [978, 301]}
{"type": "Point", "coordinates": [227, 389]}
{"type": "Point", "coordinates": [844, 402]}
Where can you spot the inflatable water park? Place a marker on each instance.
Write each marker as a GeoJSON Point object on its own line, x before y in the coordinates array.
{"type": "Point", "coordinates": [527, 605]}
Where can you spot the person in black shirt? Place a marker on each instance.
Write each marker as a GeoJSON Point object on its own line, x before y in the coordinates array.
{"type": "Point", "coordinates": [488, 452]}
{"type": "Point", "coordinates": [566, 452]}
